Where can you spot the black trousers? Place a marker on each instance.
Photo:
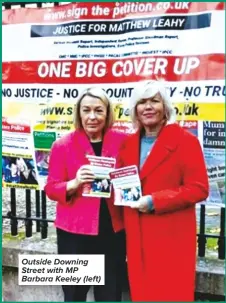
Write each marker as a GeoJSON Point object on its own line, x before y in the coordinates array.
{"type": "Point", "coordinates": [112, 245]}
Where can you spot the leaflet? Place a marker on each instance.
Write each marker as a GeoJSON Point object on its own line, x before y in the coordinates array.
{"type": "Point", "coordinates": [101, 186]}
{"type": "Point", "coordinates": [43, 142]}
{"type": "Point", "coordinates": [127, 186]}
{"type": "Point", "coordinates": [18, 165]}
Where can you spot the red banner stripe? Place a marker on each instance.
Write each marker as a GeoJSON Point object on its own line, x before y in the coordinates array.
{"type": "Point", "coordinates": [204, 67]}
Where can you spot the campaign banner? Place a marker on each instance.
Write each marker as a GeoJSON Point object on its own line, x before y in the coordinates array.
{"type": "Point", "coordinates": [50, 55]}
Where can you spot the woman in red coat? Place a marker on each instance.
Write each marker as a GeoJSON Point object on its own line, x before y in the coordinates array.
{"type": "Point", "coordinates": [161, 229]}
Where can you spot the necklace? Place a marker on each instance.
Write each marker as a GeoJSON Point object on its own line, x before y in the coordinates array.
{"type": "Point", "coordinates": [151, 134]}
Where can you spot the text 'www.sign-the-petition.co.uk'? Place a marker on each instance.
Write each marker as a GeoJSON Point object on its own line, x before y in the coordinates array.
{"type": "Point", "coordinates": [61, 269]}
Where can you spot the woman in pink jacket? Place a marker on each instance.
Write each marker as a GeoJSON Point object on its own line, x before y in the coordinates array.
{"type": "Point", "coordinates": [87, 225]}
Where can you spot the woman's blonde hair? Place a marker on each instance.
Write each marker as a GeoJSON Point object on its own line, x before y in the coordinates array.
{"type": "Point", "coordinates": [100, 94]}
{"type": "Point", "coordinates": [149, 90]}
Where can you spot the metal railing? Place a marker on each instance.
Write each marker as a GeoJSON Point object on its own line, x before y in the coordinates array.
{"type": "Point", "coordinates": [41, 220]}
{"type": "Point", "coordinates": [40, 217]}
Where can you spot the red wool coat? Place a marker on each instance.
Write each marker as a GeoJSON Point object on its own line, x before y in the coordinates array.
{"type": "Point", "coordinates": [161, 247]}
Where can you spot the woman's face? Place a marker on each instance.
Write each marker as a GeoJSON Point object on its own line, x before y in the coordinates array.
{"type": "Point", "coordinates": [99, 184]}
{"type": "Point", "coordinates": [93, 114]}
{"type": "Point", "coordinates": [134, 191]}
{"type": "Point", "coordinates": [21, 164]}
{"type": "Point", "coordinates": [130, 195]}
{"type": "Point", "coordinates": [151, 112]}
{"type": "Point", "coordinates": [105, 183]}
{"type": "Point", "coordinates": [13, 169]}
{"type": "Point", "coordinates": [46, 158]}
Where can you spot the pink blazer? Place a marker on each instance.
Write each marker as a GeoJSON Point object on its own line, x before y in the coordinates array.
{"type": "Point", "coordinates": [80, 215]}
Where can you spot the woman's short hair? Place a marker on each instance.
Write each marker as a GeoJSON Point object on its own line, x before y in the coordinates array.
{"type": "Point", "coordinates": [145, 90]}
{"type": "Point", "coordinates": [100, 94]}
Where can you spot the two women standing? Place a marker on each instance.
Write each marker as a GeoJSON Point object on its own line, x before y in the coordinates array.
{"type": "Point", "coordinates": [161, 229]}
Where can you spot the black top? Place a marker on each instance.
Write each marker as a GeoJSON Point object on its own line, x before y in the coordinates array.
{"type": "Point", "coordinates": [97, 147]}
{"type": "Point", "coordinates": [105, 224]}
{"type": "Point", "coordinates": [30, 179]}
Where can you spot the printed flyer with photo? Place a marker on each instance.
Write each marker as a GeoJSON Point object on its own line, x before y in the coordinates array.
{"type": "Point", "coordinates": [101, 186]}
{"type": "Point", "coordinates": [214, 153]}
{"type": "Point", "coordinates": [42, 143]}
{"type": "Point", "coordinates": [18, 165]}
{"type": "Point", "coordinates": [127, 186]}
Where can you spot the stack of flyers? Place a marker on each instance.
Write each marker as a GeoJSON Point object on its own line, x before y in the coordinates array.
{"type": "Point", "coordinates": [127, 186]}
{"type": "Point", "coordinates": [101, 186]}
